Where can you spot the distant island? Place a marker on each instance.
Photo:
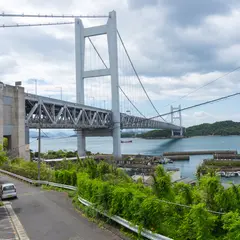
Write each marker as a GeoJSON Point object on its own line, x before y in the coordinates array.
{"type": "Point", "coordinates": [224, 128]}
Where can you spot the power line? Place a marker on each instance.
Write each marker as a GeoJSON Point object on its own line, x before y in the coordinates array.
{"type": "Point", "coordinates": [196, 105]}
{"type": "Point", "coordinates": [135, 71]}
{"type": "Point", "coordinates": [51, 15]}
{"type": "Point", "coordinates": [187, 206]}
{"type": "Point", "coordinates": [131, 102]}
{"type": "Point", "coordinates": [54, 137]}
{"type": "Point", "coordinates": [14, 149]}
{"type": "Point", "coordinates": [99, 55]}
{"type": "Point", "coordinates": [33, 25]}
{"type": "Point", "coordinates": [195, 90]}
{"type": "Point", "coordinates": [193, 106]}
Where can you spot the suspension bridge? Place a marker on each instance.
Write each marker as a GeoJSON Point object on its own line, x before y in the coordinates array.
{"type": "Point", "coordinates": [119, 86]}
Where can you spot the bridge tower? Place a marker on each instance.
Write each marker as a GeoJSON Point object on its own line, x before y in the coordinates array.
{"type": "Point", "coordinates": [110, 29]}
{"type": "Point", "coordinates": [176, 115]}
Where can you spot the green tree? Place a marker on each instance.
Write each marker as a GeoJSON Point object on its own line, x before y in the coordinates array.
{"type": "Point", "coordinates": [210, 187]}
{"type": "Point", "coordinates": [162, 185]}
{"type": "Point", "coordinates": [3, 156]}
{"type": "Point", "coordinates": [183, 193]}
{"type": "Point", "coordinates": [198, 224]}
{"type": "Point", "coordinates": [5, 143]}
{"type": "Point", "coordinates": [231, 223]}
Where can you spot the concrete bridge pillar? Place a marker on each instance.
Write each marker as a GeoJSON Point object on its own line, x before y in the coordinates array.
{"type": "Point", "coordinates": [18, 118]}
{"type": "Point", "coordinates": [113, 60]}
{"type": "Point", "coordinates": [79, 61]}
{"type": "Point", "coordinates": [12, 120]}
{"type": "Point", "coordinates": [81, 143]}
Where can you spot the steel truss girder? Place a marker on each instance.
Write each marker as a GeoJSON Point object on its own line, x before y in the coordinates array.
{"type": "Point", "coordinates": [62, 114]}
{"type": "Point", "coordinates": [131, 122]}
{"type": "Point", "coordinates": [53, 113]}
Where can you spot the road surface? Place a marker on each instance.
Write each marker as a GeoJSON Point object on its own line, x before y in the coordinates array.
{"type": "Point", "coordinates": [7, 230]}
{"type": "Point", "coordinates": [49, 215]}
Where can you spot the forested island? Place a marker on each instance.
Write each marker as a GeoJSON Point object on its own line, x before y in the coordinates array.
{"type": "Point", "coordinates": [224, 128]}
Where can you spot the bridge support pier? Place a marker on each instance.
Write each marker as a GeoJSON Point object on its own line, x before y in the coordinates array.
{"type": "Point", "coordinates": [12, 120]}
{"type": "Point", "coordinates": [81, 143]}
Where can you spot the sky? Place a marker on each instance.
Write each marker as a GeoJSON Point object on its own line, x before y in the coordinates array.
{"type": "Point", "coordinates": [176, 47]}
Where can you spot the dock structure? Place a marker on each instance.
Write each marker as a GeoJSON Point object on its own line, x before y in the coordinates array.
{"type": "Point", "coordinates": [202, 152]}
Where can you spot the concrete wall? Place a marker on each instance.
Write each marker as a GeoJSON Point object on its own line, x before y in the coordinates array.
{"type": "Point", "coordinates": [175, 175]}
{"type": "Point", "coordinates": [12, 120]}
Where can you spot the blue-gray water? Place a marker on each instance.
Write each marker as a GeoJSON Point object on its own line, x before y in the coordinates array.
{"type": "Point", "coordinates": [151, 147]}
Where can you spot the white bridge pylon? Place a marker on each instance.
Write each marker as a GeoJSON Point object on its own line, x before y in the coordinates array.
{"type": "Point", "coordinates": [109, 29]}
{"type": "Point", "coordinates": [176, 115]}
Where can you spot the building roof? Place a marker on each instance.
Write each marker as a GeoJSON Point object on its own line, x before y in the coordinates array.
{"type": "Point", "coordinates": [186, 180]}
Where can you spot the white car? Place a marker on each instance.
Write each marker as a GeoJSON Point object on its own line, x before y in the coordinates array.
{"type": "Point", "coordinates": [8, 190]}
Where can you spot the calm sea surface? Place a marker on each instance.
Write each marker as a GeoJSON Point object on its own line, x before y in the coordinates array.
{"type": "Point", "coordinates": [151, 147]}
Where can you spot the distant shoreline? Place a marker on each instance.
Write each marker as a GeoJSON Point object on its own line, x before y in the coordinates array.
{"type": "Point", "coordinates": [148, 138]}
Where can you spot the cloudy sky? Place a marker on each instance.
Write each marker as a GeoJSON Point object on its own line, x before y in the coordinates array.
{"type": "Point", "coordinates": [176, 47]}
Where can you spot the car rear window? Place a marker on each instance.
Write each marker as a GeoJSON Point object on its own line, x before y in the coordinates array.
{"type": "Point", "coordinates": [10, 187]}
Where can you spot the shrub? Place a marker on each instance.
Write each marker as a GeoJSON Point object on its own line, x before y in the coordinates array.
{"type": "Point", "coordinates": [29, 169]}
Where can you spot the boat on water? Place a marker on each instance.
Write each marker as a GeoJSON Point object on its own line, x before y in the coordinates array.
{"type": "Point", "coordinates": [128, 141]}
{"type": "Point", "coordinates": [165, 160]}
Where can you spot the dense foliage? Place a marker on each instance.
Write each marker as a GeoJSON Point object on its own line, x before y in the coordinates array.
{"type": "Point", "coordinates": [51, 154]}
{"type": "Point", "coordinates": [56, 154]}
{"type": "Point", "coordinates": [3, 156]}
{"type": "Point", "coordinates": [156, 134]}
{"type": "Point", "coordinates": [218, 128]}
{"type": "Point", "coordinates": [157, 207]}
{"type": "Point", "coordinates": [180, 211]}
{"type": "Point", "coordinates": [66, 177]}
{"type": "Point", "coordinates": [28, 169]}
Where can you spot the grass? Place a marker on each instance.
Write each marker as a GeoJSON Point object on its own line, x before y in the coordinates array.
{"type": "Point", "coordinates": [1, 204]}
{"type": "Point", "coordinates": [71, 193]}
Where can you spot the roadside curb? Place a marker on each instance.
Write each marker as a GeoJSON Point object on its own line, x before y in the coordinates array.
{"type": "Point", "coordinates": [16, 222]}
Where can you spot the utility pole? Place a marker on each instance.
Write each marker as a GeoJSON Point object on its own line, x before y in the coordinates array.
{"type": "Point", "coordinates": [36, 86]}
{"type": "Point", "coordinates": [39, 143]}
{"type": "Point", "coordinates": [39, 151]}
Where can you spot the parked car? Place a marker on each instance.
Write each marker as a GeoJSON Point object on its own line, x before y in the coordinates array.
{"type": "Point", "coordinates": [8, 190]}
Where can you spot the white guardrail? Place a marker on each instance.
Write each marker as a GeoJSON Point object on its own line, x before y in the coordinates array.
{"type": "Point", "coordinates": [144, 232]}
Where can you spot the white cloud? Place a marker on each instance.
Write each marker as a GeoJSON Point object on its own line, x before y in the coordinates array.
{"type": "Point", "coordinates": [173, 58]}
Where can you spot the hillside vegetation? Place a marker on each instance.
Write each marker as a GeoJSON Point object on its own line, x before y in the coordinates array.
{"type": "Point", "coordinates": [218, 128]}
{"type": "Point", "coordinates": [206, 211]}
{"type": "Point", "coordinates": [223, 128]}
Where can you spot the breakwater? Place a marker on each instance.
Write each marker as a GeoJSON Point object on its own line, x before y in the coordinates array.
{"type": "Point", "coordinates": [179, 157]}
{"type": "Point", "coordinates": [204, 152]}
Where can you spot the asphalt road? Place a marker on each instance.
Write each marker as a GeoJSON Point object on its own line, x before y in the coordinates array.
{"type": "Point", "coordinates": [49, 215]}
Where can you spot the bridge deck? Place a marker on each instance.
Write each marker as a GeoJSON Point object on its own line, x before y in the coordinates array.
{"type": "Point", "coordinates": [54, 113]}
